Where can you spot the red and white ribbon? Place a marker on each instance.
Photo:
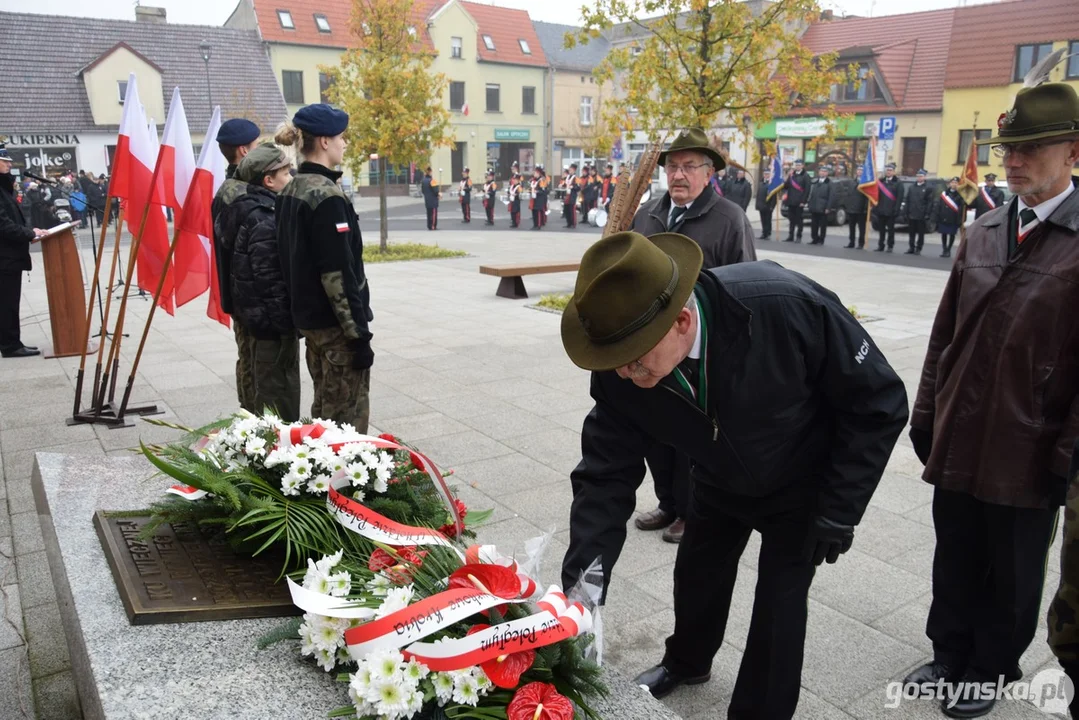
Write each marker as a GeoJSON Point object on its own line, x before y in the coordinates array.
{"type": "Point", "coordinates": [556, 621]}
{"type": "Point", "coordinates": [320, 604]}
{"type": "Point", "coordinates": [949, 202]}
{"type": "Point", "coordinates": [187, 492]}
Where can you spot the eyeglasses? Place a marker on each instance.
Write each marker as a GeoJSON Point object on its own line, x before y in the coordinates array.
{"type": "Point", "coordinates": [684, 169]}
{"type": "Point", "coordinates": [1027, 149]}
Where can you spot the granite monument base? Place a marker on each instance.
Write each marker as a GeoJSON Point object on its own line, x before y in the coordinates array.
{"type": "Point", "coordinates": [195, 671]}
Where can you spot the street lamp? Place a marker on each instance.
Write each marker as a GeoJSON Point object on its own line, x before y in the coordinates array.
{"type": "Point", "coordinates": [204, 48]}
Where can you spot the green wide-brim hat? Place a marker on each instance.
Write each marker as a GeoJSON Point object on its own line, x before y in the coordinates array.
{"type": "Point", "coordinates": [629, 290]}
{"type": "Point", "coordinates": [1045, 111]}
{"type": "Point", "coordinates": [693, 139]}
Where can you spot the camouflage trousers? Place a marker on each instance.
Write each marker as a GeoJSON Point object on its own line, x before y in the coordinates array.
{"type": "Point", "coordinates": [268, 373]}
{"type": "Point", "coordinates": [342, 392]}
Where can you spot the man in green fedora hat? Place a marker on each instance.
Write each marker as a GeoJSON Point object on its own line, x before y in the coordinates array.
{"type": "Point", "coordinates": [784, 405]}
{"type": "Point", "coordinates": [722, 230]}
{"type": "Point", "coordinates": [997, 411]}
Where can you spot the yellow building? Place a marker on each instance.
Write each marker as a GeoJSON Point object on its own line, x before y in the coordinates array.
{"type": "Point", "coordinates": [491, 56]}
{"type": "Point", "coordinates": [983, 77]}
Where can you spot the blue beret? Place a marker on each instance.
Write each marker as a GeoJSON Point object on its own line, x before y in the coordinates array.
{"type": "Point", "coordinates": [890, 166]}
{"type": "Point", "coordinates": [238, 131]}
{"type": "Point", "coordinates": [921, 172]}
{"type": "Point", "coordinates": [4, 155]}
{"type": "Point", "coordinates": [799, 162]}
{"type": "Point", "coordinates": [321, 120]}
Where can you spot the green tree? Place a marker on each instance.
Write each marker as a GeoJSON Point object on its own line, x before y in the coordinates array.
{"type": "Point", "coordinates": [384, 82]}
{"type": "Point", "coordinates": [694, 60]}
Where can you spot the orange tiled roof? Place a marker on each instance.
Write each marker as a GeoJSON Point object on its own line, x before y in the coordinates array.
{"type": "Point", "coordinates": [337, 14]}
{"type": "Point", "coordinates": [910, 52]}
{"type": "Point", "coordinates": [985, 38]}
{"type": "Point", "coordinates": [505, 26]}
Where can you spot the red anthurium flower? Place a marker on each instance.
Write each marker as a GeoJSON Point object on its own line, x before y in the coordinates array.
{"type": "Point", "coordinates": [505, 671]}
{"type": "Point", "coordinates": [494, 579]}
{"type": "Point", "coordinates": [398, 569]}
{"type": "Point", "coordinates": [539, 701]}
{"type": "Point", "coordinates": [450, 529]}
{"type": "Point", "coordinates": [388, 438]}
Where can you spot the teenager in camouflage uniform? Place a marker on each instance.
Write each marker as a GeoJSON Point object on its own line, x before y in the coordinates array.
{"type": "Point", "coordinates": [321, 249]}
{"type": "Point", "coordinates": [247, 231]}
{"type": "Point", "coordinates": [236, 138]}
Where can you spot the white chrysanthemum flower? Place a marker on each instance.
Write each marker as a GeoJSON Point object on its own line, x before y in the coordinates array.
{"type": "Point", "coordinates": [357, 473]}
{"type": "Point", "coordinates": [416, 671]}
{"type": "Point", "coordinates": [277, 456]}
{"type": "Point", "coordinates": [301, 468]}
{"type": "Point", "coordinates": [443, 686]}
{"type": "Point", "coordinates": [327, 637]}
{"type": "Point", "coordinates": [415, 703]}
{"type": "Point", "coordinates": [379, 585]}
{"type": "Point", "coordinates": [318, 484]}
{"type": "Point", "coordinates": [316, 578]}
{"type": "Point", "coordinates": [348, 428]}
{"type": "Point", "coordinates": [255, 446]}
{"type": "Point", "coordinates": [388, 697]}
{"type": "Point", "coordinates": [307, 642]}
{"type": "Point", "coordinates": [326, 659]}
{"type": "Point", "coordinates": [380, 485]}
{"type": "Point", "coordinates": [290, 485]}
{"type": "Point", "coordinates": [334, 463]}
{"type": "Point", "coordinates": [343, 658]}
{"type": "Point", "coordinates": [466, 690]}
{"type": "Point", "coordinates": [328, 562]}
{"type": "Point", "coordinates": [482, 681]}
{"type": "Point", "coordinates": [397, 598]}
{"type": "Point", "coordinates": [359, 683]}
{"type": "Point", "coordinates": [386, 665]}
{"type": "Point", "coordinates": [340, 584]}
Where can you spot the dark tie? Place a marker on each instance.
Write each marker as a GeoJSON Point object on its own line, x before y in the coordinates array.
{"type": "Point", "coordinates": [689, 369]}
{"type": "Point", "coordinates": [1026, 217]}
{"type": "Point", "coordinates": [676, 215]}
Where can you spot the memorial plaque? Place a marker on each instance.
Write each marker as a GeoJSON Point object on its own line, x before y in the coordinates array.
{"type": "Point", "coordinates": [186, 574]}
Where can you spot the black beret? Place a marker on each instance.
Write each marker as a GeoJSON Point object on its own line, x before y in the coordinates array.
{"type": "Point", "coordinates": [321, 120]}
{"type": "Point", "coordinates": [238, 131]}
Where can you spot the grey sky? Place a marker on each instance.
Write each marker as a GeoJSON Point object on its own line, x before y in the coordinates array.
{"type": "Point", "coordinates": [214, 12]}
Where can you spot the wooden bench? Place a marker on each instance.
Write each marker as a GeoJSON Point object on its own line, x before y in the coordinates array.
{"type": "Point", "coordinates": [512, 283]}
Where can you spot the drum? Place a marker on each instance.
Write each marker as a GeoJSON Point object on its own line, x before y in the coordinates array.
{"type": "Point", "coordinates": [526, 195]}
{"type": "Point", "coordinates": [592, 217]}
{"type": "Point", "coordinates": [601, 218]}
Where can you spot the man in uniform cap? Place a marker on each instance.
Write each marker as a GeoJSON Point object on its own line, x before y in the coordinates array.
{"type": "Point", "coordinates": [429, 188]}
{"type": "Point", "coordinates": [466, 196]}
{"type": "Point", "coordinates": [888, 201]}
{"type": "Point", "coordinates": [15, 239]}
{"type": "Point", "coordinates": [796, 197]}
{"type": "Point", "coordinates": [920, 205]}
{"type": "Point", "coordinates": [820, 198]}
{"type": "Point", "coordinates": [990, 197]}
{"type": "Point", "coordinates": [788, 411]}
{"type": "Point", "coordinates": [997, 413]}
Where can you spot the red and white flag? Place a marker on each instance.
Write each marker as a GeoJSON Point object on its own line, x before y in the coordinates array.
{"type": "Point", "coordinates": [196, 217]}
{"type": "Point", "coordinates": [133, 182]}
{"type": "Point", "coordinates": [190, 262]}
{"type": "Point", "coordinates": [464, 109]}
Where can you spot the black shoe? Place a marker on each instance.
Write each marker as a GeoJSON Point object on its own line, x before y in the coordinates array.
{"type": "Point", "coordinates": [31, 347]}
{"type": "Point", "coordinates": [879, 249]}
{"type": "Point", "coordinates": [932, 673]}
{"type": "Point", "coordinates": [21, 352]}
{"type": "Point", "coordinates": [946, 253]}
{"type": "Point", "coordinates": [790, 239]}
{"type": "Point", "coordinates": [849, 247]}
{"type": "Point", "coordinates": [912, 251]}
{"type": "Point", "coordinates": [661, 682]}
{"type": "Point", "coordinates": [889, 250]}
{"type": "Point", "coordinates": [970, 702]}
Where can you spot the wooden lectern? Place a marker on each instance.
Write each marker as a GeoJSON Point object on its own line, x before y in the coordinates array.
{"type": "Point", "coordinates": [64, 284]}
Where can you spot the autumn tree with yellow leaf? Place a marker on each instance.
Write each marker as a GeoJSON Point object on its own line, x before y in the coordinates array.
{"type": "Point", "coordinates": [384, 82]}
{"type": "Point", "coordinates": [695, 60]}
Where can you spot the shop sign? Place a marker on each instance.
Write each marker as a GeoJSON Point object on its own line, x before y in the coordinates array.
{"type": "Point", "coordinates": [512, 134]}
{"type": "Point", "coordinates": [45, 161]}
{"type": "Point", "coordinates": [41, 140]}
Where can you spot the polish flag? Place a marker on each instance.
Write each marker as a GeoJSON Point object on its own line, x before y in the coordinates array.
{"type": "Point", "coordinates": [208, 176]}
{"type": "Point", "coordinates": [176, 161]}
{"type": "Point", "coordinates": [464, 109]}
{"type": "Point", "coordinates": [133, 182]}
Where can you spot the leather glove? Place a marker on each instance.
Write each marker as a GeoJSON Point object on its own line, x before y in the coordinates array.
{"type": "Point", "coordinates": [922, 440]}
{"type": "Point", "coordinates": [827, 540]}
{"type": "Point", "coordinates": [363, 356]}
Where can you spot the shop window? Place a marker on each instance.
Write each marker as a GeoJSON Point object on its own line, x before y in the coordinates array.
{"type": "Point", "coordinates": [965, 138]}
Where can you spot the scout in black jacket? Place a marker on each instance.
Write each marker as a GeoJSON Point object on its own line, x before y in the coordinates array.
{"type": "Point", "coordinates": [787, 410]}
{"type": "Point", "coordinates": [247, 230]}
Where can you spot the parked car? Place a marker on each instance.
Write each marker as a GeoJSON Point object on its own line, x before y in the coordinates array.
{"type": "Point", "coordinates": [902, 222]}
{"type": "Point", "coordinates": [842, 190]}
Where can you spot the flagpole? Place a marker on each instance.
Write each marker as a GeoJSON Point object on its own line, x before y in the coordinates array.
{"type": "Point", "coordinates": [108, 301]}
{"type": "Point", "coordinates": [94, 292]}
{"type": "Point", "coordinates": [868, 204]}
{"type": "Point", "coordinates": [117, 337]}
{"type": "Point", "coordinates": [149, 319]}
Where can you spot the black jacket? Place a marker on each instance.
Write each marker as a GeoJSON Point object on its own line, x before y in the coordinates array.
{"type": "Point", "coordinates": [946, 215]}
{"type": "Point", "coordinates": [919, 202]}
{"type": "Point", "coordinates": [886, 206]}
{"type": "Point", "coordinates": [856, 204]}
{"type": "Point", "coordinates": [981, 207]}
{"type": "Point", "coordinates": [820, 196]}
{"type": "Point", "coordinates": [797, 394]}
{"type": "Point", "coordinates": [318, 234]}
{"type": "Point", "coordinates": [719, 226]}
{"type": "Point", "coordinates": [797, 195]}
{"type": "Point", "coordinates": [247, 229]}
{"type": "Point", "coordinates": [429, 188]}
{"type": "Point", "coordinates": [739, 192]}
{"type": "Point", "coordinates": [231, 189]}
{"type": "Point", "coordinates": [15, 236]}
{"type": "Point", "coordinates": [763, 202]}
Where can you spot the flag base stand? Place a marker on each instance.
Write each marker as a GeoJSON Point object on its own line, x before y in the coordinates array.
{"type": "Point", "coordinates": [110, 416]}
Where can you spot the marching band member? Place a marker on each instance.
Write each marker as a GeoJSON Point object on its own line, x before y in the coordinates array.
{"type": "Point", "coordinates": [466, 197]}
{"type": "Point", "coordinates": [514, 194]}
{"type": "Point", "coordinates": [489, 189]}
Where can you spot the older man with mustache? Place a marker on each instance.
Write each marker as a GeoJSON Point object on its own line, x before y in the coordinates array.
{"type": "Point", "coordinates": [722, 230]}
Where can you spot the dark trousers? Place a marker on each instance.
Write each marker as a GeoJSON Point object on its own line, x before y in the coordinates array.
{"type": "Point", "coordinates": [466, 210]}
{"type": "Point", "coordinates": [947, 241]}
{"type": "Point", "coordinates": [819, 227]}
{"type": "Point", "coordinates": [794, 218]}
{"type": "Point", "coordinates": [916, 235]}
{"type": "Point", "coordinates": [571, 215]}
{"type": "Point", "coordinates": [717, 529]}
{"type": "Point", "coordinates": [766, 224]}
{"type": "Point", "coordinates": [515, 213]}
{"type": "Point", "coordinates": [670, 475]}
{"type": "Point", "coordinates": [988, 574]}
{"type": "Point", "coordinates": [489, 206]}
{"type": "Point", "coordinates": [432, 218]}
{"type": "Point", "coordinates": [10, 295]}
{"type": "Point", "coordinates": [887, 231]}
{"type": "Point", "coordinates": [857, 221]}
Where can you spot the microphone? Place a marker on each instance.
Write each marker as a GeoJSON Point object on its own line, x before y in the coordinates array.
{"type": "Point", "coordinates": [29, 174]}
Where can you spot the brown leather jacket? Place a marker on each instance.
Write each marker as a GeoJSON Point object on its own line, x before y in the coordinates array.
{"type": "Point", "coordinates": [1000, 384]}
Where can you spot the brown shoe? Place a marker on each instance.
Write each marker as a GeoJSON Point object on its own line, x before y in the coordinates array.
{"type": "Point", "coordinates": [673, 534]}
{"type": "Point", "coordinates": [655, 520]}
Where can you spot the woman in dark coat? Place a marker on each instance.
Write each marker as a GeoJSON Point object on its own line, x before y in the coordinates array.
{"type": "Point", "coordinates": [951, 211]}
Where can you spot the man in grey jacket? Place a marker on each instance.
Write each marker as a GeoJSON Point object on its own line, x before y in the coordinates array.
{"type": "Point", "coordinates": [723, 231]}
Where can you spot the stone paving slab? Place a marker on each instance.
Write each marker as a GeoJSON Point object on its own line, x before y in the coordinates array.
{"type": "Point", "coordinates": [481, 384]}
